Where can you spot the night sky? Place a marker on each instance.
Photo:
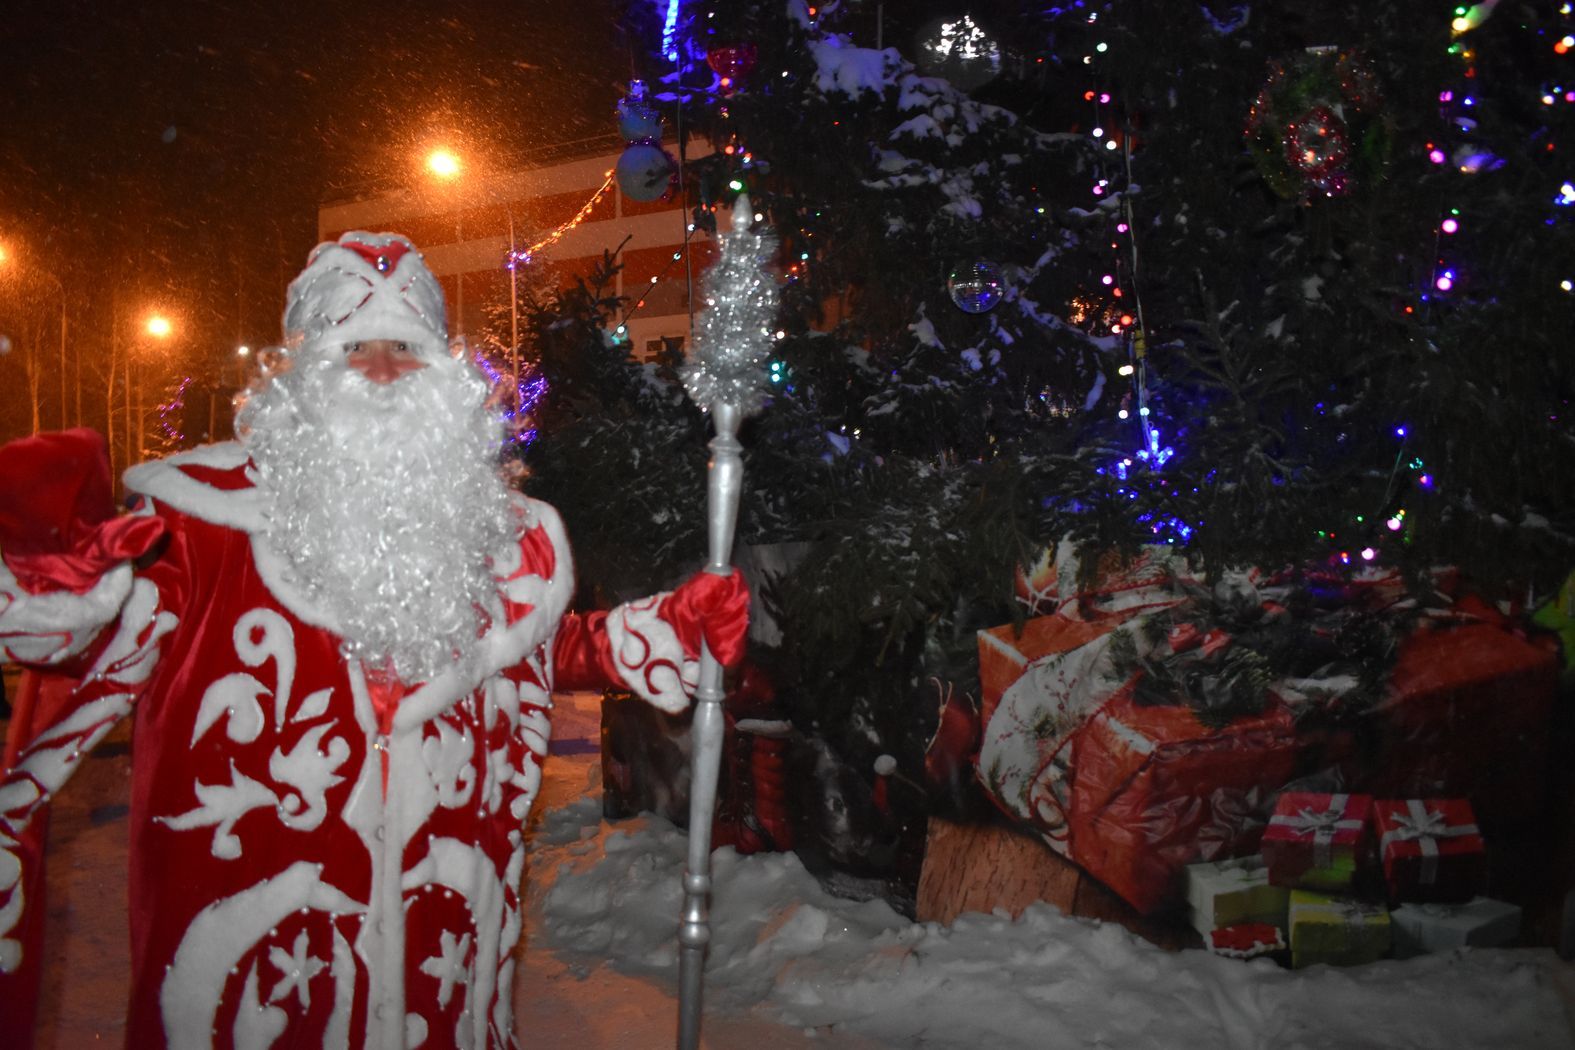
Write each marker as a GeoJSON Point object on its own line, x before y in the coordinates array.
{"type": "Point", "coordinates": [176, 151]}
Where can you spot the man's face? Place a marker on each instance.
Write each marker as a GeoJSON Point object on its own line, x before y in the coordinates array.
{"type": "Point", "coordinates": [382, 361]}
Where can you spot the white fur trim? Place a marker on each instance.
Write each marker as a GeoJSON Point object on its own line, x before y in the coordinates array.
{"type": "Point", "coordinates": [342, 298]}
{"type": "Point", "coordinates": [163, 480]}
{"type": "Point", "coordinates": [505, 646]}
{"type": "Point", "coordinates": [55, 626]}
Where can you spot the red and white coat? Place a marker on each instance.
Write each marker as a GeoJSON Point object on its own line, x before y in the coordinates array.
{"type": "Point", "coordinates": [316, 860]}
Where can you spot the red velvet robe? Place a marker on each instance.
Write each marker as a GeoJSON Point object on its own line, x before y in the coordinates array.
{"type": "Point", "coordinates": [316, 861]}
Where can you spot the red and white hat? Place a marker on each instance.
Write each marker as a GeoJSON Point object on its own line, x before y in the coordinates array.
{"type": "Point", "coordinates": [366, 286]}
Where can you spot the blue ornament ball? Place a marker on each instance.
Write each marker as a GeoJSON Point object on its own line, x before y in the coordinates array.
{"type": "Point", "coordinates": [644, 172]}
{"type": "Point", "coordinates": [975, 287]}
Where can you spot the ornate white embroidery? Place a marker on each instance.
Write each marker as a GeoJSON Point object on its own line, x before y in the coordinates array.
{"type": "Point", "coordinates": [448, 757]}
{"type": "Point", "coordinates": [649, 657]}
{"type": "Point", "coordinates": [219, 938]}
{"type": "Point", "coordinates": [235, 696]}
{"type": "Point", "coordinates": [223, 805]}
{"type": "Point", "coordinates": [256, 1025]}
{"type": "Point", "coordinates": [449, 965]}
{"type": "Point", "coordinates": [297, 967]}
{"type": "Point", "coordinates": [259, 635]}
{"type": "Point", "coordinates": [310, 771]}
{"type": "Point", "coordinates": [11, 911]}
{"type": "Point", "coordinates": [314, 706]}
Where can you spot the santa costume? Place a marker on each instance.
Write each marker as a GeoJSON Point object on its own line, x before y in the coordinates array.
{"type": "Point", "coordinates": [327, 814]}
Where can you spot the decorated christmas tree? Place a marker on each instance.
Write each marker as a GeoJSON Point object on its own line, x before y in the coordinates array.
{"type": "Point", "coordinates": [1275, 285]}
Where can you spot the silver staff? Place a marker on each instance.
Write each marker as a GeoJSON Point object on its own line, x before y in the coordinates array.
{"type": "Point", "coordinates": [725, 375]}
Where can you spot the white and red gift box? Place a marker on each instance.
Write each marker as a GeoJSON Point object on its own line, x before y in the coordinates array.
{"type": "Point", "coordinates": [1316, 840]}
{"type": "Point", "coordinates": [1431, 849]}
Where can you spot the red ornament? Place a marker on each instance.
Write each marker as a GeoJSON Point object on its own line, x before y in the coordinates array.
{"type": "Point", "coordinates": [732, 63]}
{"type": "Point", "coordinates": [1316, 143]}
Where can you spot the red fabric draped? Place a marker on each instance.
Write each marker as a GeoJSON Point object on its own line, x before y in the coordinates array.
{"type": "Point", "coordinates": [715, 607]}
{"type": "Point", "coordinates": [58, 526]}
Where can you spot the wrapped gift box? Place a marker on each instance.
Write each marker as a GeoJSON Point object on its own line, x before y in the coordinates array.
{"type": "Point", "coordinates": [1466, 715]}
{"type": "Point", "coordinates": [1231, 892]}
{"type": "Point", "coordinates": [1317, 841]}
{"type": "Point", "coordinates": [1134, 793]}
{"type": "Point", "coordinates": [1006, 653]}
{"type": "Point", "coordinates": [1431, 849]}
{"type": "Point", "coordinates": [1247, 940]}
{"type": "Point", "coordinates": [1150, 789]}
{"type": "Point", "coordinates": [1340, 931]}
{"type": "Point", "coordinates": [1479, 923]}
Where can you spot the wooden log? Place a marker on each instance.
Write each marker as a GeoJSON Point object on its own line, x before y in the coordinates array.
{"type": "Point", "coordinates": [985, 867]}
{"type": "Point", "coordinates": [982, 867]}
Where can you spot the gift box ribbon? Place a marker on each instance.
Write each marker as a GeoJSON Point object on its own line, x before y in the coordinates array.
{"type": "Point", "coordinates": [1424, 827]}
{"type": "Point", "coordinates": [1320, 826]}
{"type": "Point", "coordinates": [1350, 913]}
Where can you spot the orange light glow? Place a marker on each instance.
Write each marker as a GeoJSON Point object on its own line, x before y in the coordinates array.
{"type": "Point", "coordinates": [443, 163]}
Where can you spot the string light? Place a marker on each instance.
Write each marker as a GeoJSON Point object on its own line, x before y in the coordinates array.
{"type": "Point", "coordinates": [514, 258]}
{"type": "Point", "coordinates": [529, 387]}
{"type": "Point", "coordinates": [169, 410]}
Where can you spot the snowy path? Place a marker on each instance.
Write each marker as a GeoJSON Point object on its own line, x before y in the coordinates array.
{"type": "Point", "coordinates": [793, 968]}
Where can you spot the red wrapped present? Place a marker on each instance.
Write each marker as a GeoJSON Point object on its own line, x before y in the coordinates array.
{"type": "Point", "coordinates": [1006, 652]}
{"type": "Point", "coordinates": [1316, 840]}
{"type": "Point", "coordinates": [1152, 789]}
{"type": "Point", "coordinates": [1247, 940]}
{"type": "Point", "coordinates": [1431, 849]}
{"type": "Point", "coordinates": [1466, 716]}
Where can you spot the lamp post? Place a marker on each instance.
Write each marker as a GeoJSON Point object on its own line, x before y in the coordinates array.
{"type": "Point", "coordinates": [445, 165]}
{"type": "Point", "coordinates": [158, 327]}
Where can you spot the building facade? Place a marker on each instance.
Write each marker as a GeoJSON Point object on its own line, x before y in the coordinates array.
{"type": "Point", "coordinates": [565, 213]}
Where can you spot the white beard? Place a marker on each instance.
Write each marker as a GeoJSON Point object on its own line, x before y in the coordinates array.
{"type": "Point", "coordinates": [386, 503]}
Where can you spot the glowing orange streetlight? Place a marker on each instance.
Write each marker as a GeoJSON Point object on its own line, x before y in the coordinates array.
{"type": "Point", "coordinates": [159, 326]}
{"type": "Point", "coordinates": [443, 163]}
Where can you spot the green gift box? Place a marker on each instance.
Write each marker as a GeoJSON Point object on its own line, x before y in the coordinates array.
{"type": "Point", "coordinates": [1336, 930]}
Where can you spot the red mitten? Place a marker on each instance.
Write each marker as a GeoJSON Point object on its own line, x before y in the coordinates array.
{"type": "Point", "coordinates": [57, 519]}
{"type": "Point", "coordinates": [715, 607]}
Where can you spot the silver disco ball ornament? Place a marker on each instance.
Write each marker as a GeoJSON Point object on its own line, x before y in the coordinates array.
{"type": "Point", "coordinates": [975, 287]}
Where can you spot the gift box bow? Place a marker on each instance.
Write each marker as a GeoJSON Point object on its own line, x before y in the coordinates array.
{"type": "Point", "coordinates": [1319, 825]}
{"type": "Point", "coordinates": [1424, 826]}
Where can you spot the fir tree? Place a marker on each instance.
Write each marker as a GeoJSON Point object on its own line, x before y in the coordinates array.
{"type": "Point", "coordinates": [1312, 389]}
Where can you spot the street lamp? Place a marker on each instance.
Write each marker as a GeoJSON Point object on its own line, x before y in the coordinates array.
{"type": "Point", "coordinates": [443, 163]}
{"type": "Point", "coordinates": [158, 327]}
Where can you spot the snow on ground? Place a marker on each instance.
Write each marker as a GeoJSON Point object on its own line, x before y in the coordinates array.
{"type": "Point", "coordinates": [784, 949]}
